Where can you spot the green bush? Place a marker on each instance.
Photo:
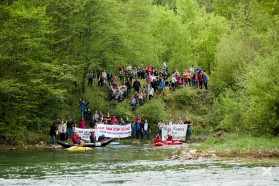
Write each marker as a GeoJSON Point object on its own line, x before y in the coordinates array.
{"type": "Point", "coordinates": [153, 112]}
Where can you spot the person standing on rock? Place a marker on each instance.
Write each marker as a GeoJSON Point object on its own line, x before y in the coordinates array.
{"type": "Point", "coordinates": [52, 134]}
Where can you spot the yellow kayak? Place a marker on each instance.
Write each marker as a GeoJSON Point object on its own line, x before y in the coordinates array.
{"type": "Point", "coordinates": [78, 148]}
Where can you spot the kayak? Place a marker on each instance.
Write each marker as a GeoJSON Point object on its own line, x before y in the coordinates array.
{"type": "Point", "coordinates": [114, 144]}
{"type": "Point", "coordinates": [176, 143]}
{"type": "Point", "coordinates": [97, 144]}
{"type": "Point", "coordinates": [158, 144]}
{"type": "Point", "coordinates": [173, 142]}
{"type": "Point", "coordinates": [78, 148]}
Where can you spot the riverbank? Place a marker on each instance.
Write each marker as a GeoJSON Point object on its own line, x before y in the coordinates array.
{"type": "Point", "coordinates": [232, 145]}
{"type": "Point", "coordinates": [226, 145]}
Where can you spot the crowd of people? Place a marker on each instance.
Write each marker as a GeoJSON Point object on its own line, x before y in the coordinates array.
{"type": "Point", "coordinates": [140, 129]}
{"type": "Point", "coordinates": [157, 83]}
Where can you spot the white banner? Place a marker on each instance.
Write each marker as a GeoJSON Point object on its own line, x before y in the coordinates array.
{"type": "Point", "coordinates": [109, 131]}
{"type": "Point", "coordinates": [114, 131]}
{"type": "Point", "coordinates": [178, 132]}
{"type": "Point", "coordinates": [84, 134]}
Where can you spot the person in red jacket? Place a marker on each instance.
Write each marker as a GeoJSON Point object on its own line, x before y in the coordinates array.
{"type": "Point", "coordinates": [169, 138]}
{"type": "Point", "coordinates": [200, 77]}
{"type": "Point", "coordinates": [157, 139]}
{"type": "Point", "coordinates": [82, 123]}
{"type": "Point", "coordinates": [76, 140]}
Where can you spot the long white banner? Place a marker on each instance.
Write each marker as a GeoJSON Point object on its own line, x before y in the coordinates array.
{"type": "Point", "coordinates": [178, 132]}
{"type": "Point", "coordinates": [108, 131]}
{"type": "Point", "coordinates": [114, 131]}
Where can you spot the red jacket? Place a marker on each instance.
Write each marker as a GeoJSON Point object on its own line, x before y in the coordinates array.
{"type": "Point", "coordinates": [169, 138]}
{"type": "Point", "coordinates": [156, 140]}
{"type": "Point", "coordinates": [82, 124]}
{"type": "Point", "coordinates": [75, 138]}
{"type": "Point", "coordinates": [200, 77]}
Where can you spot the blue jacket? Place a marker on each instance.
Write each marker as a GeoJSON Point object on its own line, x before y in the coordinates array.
{"type": "Point", "coordinates": [205, 78]}
{"type": "Point", "coordinates": [162, 84]}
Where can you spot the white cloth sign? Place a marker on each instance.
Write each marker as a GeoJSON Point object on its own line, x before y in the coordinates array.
{"type": "Point", "coordinates": [178, 132]}
{"type": "Point", "coordinates": [84, 134]}
{"type": "Point", "coordinates": [108, 131]}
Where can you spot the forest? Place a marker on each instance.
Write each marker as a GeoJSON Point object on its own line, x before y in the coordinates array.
{"type": "Point", "coordinates": [48, 47]}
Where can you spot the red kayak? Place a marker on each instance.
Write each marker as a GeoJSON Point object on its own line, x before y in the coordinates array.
{"type": "Point", "coordinates": [173, 142]}
{"type": "Point", "coordinates": [159, 144]}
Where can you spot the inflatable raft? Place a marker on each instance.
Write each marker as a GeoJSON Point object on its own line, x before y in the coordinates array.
{"type": "Point", "coordinates": [158, 144]}
{"type": "Point", "coordinates": [173, 142]}
{"type": "Point", "coordinates": [91, 145]}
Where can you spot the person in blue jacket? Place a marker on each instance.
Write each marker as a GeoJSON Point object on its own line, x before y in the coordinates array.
{"type": "Point", "coordinates": [205, 79]}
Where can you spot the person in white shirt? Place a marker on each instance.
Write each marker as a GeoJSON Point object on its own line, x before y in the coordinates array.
{"type": "Point", "coordinates": [170, 121]}
{"type": "Point", "coordinates": [62, 129]}
{"type": "Point", "coordinates": [173, 82]}
{"type": "Point", "coordinates": [179, 121]}
{"type": "Point", "coordinates": [151, 92]}
{"type": "Point", "coordinates": [192, 69]}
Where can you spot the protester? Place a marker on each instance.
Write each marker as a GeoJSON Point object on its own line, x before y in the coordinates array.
{"type": "Point", "coordinates": [52, 133]}
{"type": "Point", "coordinates": [96, 115]}
{"type": "Point", "coordinates": [76, 139]}
{"type": "Point", "coordinates": [127, 121]}
{"type": "Point", "coordinates": [88, 116]}
{"type": "Point", "coordinates": [62, 129]}
{"type": "Point", "coordinates": [160, 127]}
{"type": "Point", "coordinates": [146, 130]}
{"type": "Point", "coordinates": [179, 121]}
{"type": "Point", "coordinates": [138, 119]}
{"type": "Point", "coordinates": [151, 92]}
{"type": "Point", "coordinates": [93, 137]}
{"type": "Point", "coordinates": [121, 121]}
{"type": "Point", "coordinates": [93, 122]}
{"type": "Point", "coordinates": [157, 139]}
{"type": "Point", "coordinates": [133, 128]}
{"type": "Point", "coordinates": [82, 123]}
{"type": "Point", "coordinates": [139, 130]}
{"type": "Point", "coordinates": [83, 106]}
{"type": "Point", "coordinates": [90, 79]}
{"type": "Point", "coordinates": [108, 118]}
{"type": "Point", "coordinates": [114, 121]}
{"type": "Point", "coordinates": [170, 121]}
{"type": "Point", "coordinates": [70, 125]}
{"type": "Point", "coordinates": [169, 138]}
{"type": "Point", "coordinates": [136, 85]}
{"type": "Point", "coordinates": [188, 131]}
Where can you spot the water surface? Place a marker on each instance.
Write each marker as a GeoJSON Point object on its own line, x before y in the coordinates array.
{"type": "Point", "coordinates": [131, 165]}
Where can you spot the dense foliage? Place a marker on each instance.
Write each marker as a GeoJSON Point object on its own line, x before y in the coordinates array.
{"type": "Point", "coordinates": [48, 47]}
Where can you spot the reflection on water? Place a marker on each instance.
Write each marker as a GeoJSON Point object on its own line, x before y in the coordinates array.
{"type": "Point", "coordinates": [131, 165]}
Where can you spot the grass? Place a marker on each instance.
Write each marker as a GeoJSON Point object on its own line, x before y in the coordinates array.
{"type": "Point", "coordinates": [242, 145]}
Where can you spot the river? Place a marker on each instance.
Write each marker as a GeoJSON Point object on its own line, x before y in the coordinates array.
{"type": "Point", "coordinates": [131, 165]}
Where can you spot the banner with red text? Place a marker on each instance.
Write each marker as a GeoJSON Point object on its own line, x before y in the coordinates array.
{"type": "Point", "coordinates": [108, 131]}
{"type": "Point", "coordinates": [114, 131]}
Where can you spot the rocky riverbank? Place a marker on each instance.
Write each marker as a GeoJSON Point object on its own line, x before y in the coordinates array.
{"type": "Point", "coordinates": [186, 153]}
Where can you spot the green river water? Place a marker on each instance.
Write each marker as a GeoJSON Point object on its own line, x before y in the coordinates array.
{"type": "Point", "coordinates": [131, 165]}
